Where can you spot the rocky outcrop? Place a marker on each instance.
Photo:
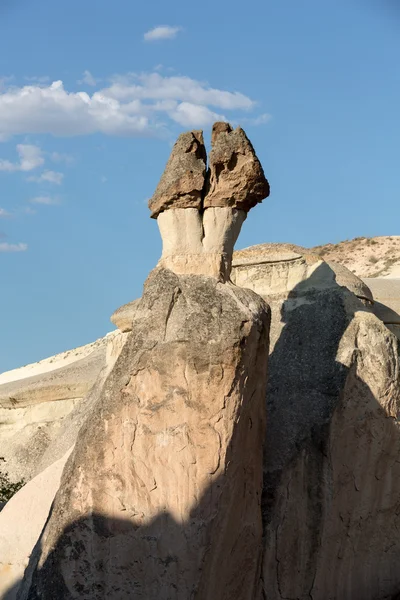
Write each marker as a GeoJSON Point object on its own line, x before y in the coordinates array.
{"type": "Point", "coordinates": [236, 177]}
{"type": "Point", "coordinates": [35, 400]}
{"type": "Point", "coordinates": [387, 301]}
{"type": "Point", "coordinates": [182, 183]}
{"type": "Point", "coordinates": [123, 316]}
{"type": "Point", "coordinates": [182, 415]}
{"type": "Point", "coordinates": [24, 516]}
{"type": "Point", "coordinates": [21, 523]}
{"type": "Point", "coordinates": [161, 496]}
{"type": "Point", "coordinates": [199, 235]}
{"type": "Point", "coordinates": [331, 469]}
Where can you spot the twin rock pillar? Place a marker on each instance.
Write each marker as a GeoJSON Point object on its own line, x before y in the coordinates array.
{"type": "Point", "coordinates": [161, 497]}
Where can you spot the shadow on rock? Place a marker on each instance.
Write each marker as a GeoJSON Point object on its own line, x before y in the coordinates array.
{"type": "Point", "coordinates": [330, 511]}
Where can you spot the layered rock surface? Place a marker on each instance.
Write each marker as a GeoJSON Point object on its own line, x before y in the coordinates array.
{"type": "Point", "coordinates": [331, 459]}
{"type": "Point", "coordinates": [35, 399]}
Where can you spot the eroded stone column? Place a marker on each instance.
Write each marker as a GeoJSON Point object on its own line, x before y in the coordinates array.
{"type": "Point", "coordinates": [161, 497]}
{"type": "Point", "coordinates": [200, 213]}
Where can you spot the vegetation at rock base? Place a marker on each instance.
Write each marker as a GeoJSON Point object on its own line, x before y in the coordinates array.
{"type": "Point", "coordinates": [8, 488]}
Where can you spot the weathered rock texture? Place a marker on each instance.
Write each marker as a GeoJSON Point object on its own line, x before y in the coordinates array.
{"type": "Point", "coordinates": [200, 217]}
{"type": "Point", "coordinates": [21, 523]}
{"type": "Point", "coordinates": [123, 316]}
{"type": "Point", "coordinates": [24, 516]}
{"type": "Point", "coordinates": [35, 400]}
{"type": "Point", "coordinates": [182, 183]}
{"type": "Point", "coordinates": [236, 176]}
{"type": "Point", "coordinates": [162, 494]}
{"type": "Point", "coordinates": [331, 500]}
{"type": "Point", "coordinates": [387, 301]}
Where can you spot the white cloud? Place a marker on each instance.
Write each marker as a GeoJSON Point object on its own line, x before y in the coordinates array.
{"type": "Point", "coordinates": [132, 105]}
{"type": "Point", "coordinates": [30, 157]}
{"type": "Point", "coordinates": [48, 200]}
{"type": "Point", "coordinates": [49, 176]}
{"type": "Point", "coordinates": [88, 79]}
{"type": "Point", "coordinates": [162, 32]}
{"type": "Point", "coordinates": [5, 247]}
{"type": "Point", "coordinates": [4, 213]}
{"type": "Point", "coordinates": [194, 115]}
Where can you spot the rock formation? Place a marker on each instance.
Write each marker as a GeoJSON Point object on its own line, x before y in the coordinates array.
{"type": "Point", "coordinates": [386, 301]}
{"type": "Point", "coordinates": [236, 177]}
{"type": "Point", "coordinates": [35, 400]}
{"type": "Point", "coordinates": [123, 316]}
{"type": "Point", "coordinates": [331, 499]}
{"type": "Point", "coordinates": [199, 214]}
{"type": "Point", "coordinates": [173, 487]}
{"type": "Point", "coordinates": [161, 496]}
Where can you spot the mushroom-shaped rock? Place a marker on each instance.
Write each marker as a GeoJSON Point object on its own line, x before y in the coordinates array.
{"type": "Point", "coordinates": [204, 219]}
{"type": "Point", "coordinates": [181, 185]}
{"type": "Point", "coordinates": [237, 178]}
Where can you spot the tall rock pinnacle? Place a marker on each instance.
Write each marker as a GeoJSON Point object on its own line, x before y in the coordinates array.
{"type": "Point", "coordinates": [200, 214]}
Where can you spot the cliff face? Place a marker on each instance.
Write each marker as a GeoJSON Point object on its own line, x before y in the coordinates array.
{"type": "Point", "coordinates": [331, 500]}
{"type": "Point", "coordinates": [163, 491]}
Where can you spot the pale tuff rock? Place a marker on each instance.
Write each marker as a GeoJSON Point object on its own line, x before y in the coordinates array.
{"type": "Point", "coordinates": [387, 301]}
{"type": "Point", "coordinates": [166, 474]}
{"type": "Point", "coordinates": [36, 398]}
{"type": "Point", "coordinates": [199, 244]}
{"type": "Point", "coordinates": [199, 235]}
{"type": "Point", "coordinates": [236, 176]}
{"type": "Point", "coordinates": [331, 503]}
{"type": "Point", "coordinates": [21, 523]}
{"type": "Point", "coordinates": [182, 183]}
{"type": "Point", "coordinates": [24, 516]}
{"type": "Point", "coordinates": [123, 316]}
{"type": "Point", "coordinates": [161, 496]}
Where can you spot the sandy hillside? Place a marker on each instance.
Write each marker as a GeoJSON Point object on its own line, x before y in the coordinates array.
{"type": "Point", "coordinates": [53, 362]}
{"type": "Point", "coordinates": [366, 257]}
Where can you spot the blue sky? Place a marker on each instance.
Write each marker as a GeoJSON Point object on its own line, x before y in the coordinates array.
{"type": "Point", "coordinates": [93, 95]}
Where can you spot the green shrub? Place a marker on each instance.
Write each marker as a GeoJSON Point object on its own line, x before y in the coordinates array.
{"type": "Point", "coordinates": [8, 488]}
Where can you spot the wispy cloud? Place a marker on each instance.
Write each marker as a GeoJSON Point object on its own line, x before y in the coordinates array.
{"type": "Point", "coordinates": [49, 177]}
{"type": "Point", "coordinates": [4, 214]}
{"type": "Point", "coordinates": [88, 79]}
{"type": "Point", "coordinates": [6, 247]}
{"type": "Point", "coordinates": [61, 158]}
{"type": "Point", "coordinates": [30, 157]}
{"type": "Point", "coordinates": [132, 105]}
{"type": "Point", "coordinates": [162, 32]}
{"type": "Point", "coordinates": [48, 200]}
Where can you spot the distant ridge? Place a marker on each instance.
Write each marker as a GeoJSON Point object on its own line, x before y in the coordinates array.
{"type": "Point", "coordinates": [366, 257]}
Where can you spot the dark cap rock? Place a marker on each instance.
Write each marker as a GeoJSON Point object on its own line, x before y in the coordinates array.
{"type": "Point", "coordinates": [236, 177]}
{"type": "Point", "coordinates": [181, 185]}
